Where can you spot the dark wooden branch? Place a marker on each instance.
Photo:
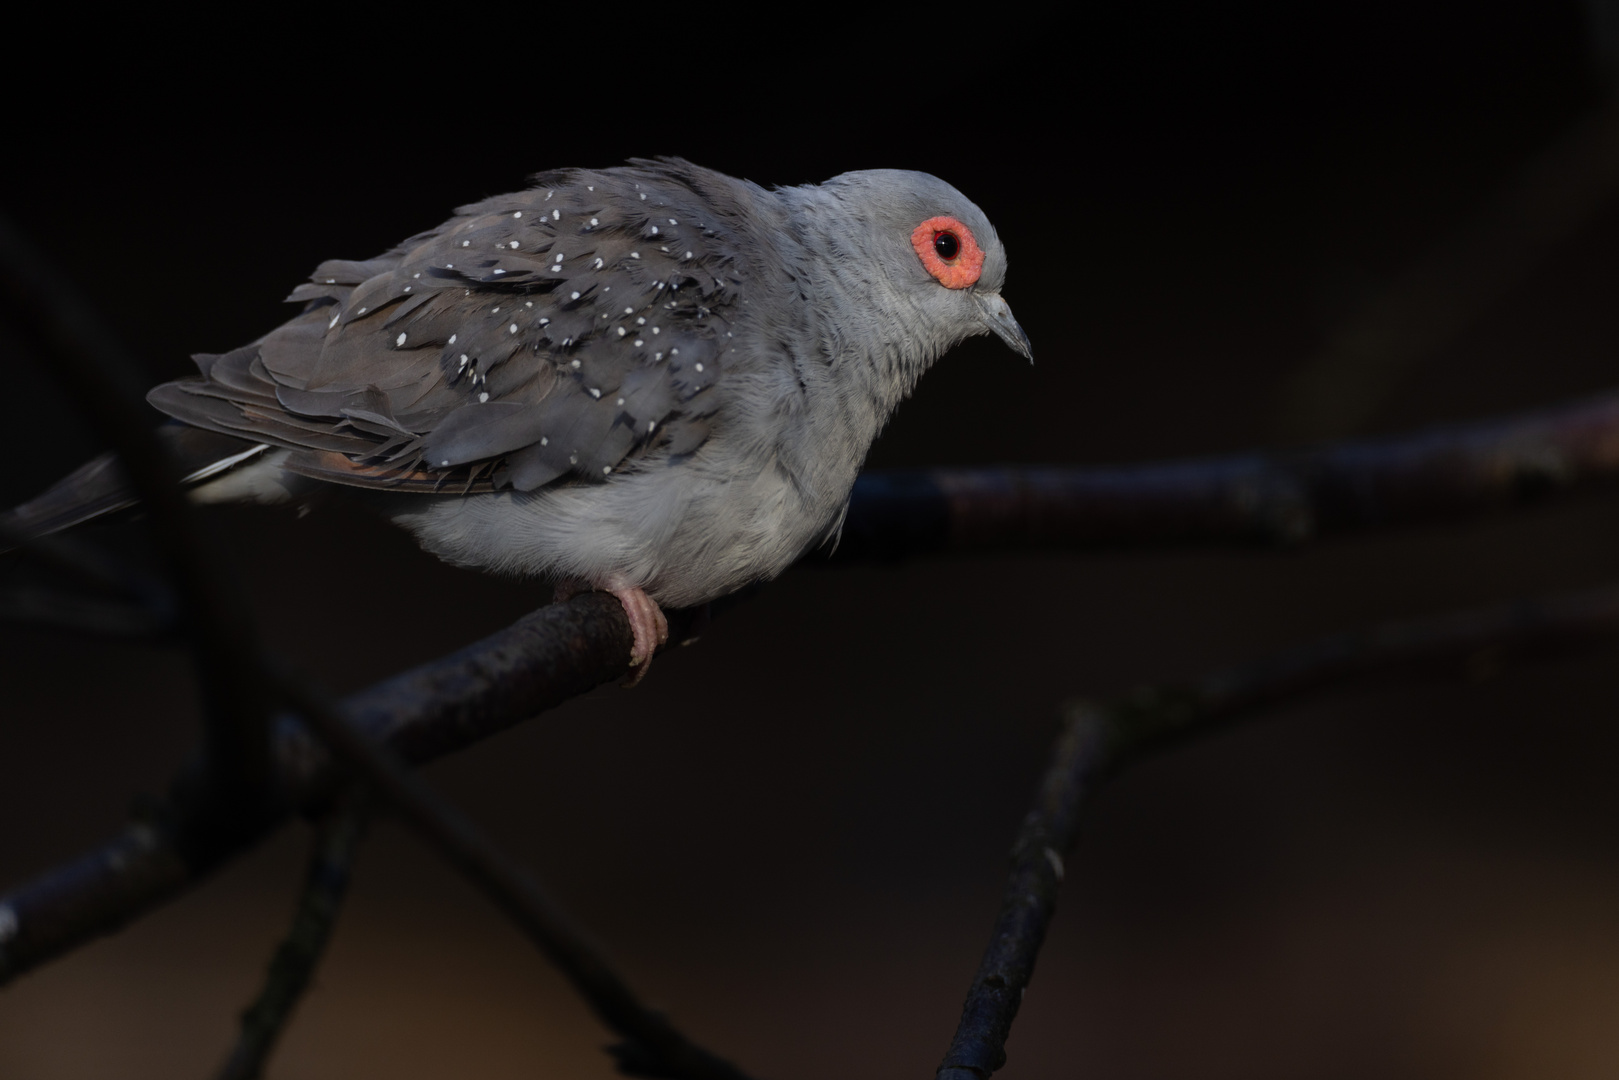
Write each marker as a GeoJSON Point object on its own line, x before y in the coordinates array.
{"type": "Point", "coordinates": [104, 382]}
{"type": "Point", "coordinates": [652, 1046]}
{"type": "Point", "coordinates": [326, 881]}
{"type": "Point", "coordinates": [1442, 474]}
{"type": "Point", "coordinates": [1098, 740]}
{"type": "Point", "coordinates": [538, 662]}
{"type": "Point", "coordinates": [563, 650]}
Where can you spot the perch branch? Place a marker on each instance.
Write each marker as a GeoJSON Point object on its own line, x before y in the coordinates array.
{"type": "Point", "coordinates": [422, 714]}
{"type": "Point", "coordinates": [1098, 740]}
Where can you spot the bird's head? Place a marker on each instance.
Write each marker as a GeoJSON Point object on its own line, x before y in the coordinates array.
{"type": "Point", "coordinates": [937, 250]}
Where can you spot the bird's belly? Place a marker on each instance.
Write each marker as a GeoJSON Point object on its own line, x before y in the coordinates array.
{"type": "Point", "coordinates": [684, 536]}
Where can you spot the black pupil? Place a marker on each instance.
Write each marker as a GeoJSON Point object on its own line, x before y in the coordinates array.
{"type": "Point", "coordinates": [946, 244]}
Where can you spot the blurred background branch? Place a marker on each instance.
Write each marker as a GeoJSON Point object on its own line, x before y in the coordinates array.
{"type": "Point", "coordinates": [333, 849]}
{"type": "Point", "coordinates": [1099, 740]}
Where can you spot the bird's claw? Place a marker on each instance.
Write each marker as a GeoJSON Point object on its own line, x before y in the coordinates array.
{"type": "Point", "coordinates": [647, 623]}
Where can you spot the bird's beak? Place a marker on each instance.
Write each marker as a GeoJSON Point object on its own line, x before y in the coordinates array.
{"type": "Point", "coordinates": [998, 317]}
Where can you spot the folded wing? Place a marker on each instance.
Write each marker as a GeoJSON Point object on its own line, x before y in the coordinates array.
{"type": "Point", "coordinates": [560, 332]}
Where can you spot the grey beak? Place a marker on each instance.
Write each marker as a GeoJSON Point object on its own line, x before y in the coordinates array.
{"type": "Point", "coordinates": [998, 317]}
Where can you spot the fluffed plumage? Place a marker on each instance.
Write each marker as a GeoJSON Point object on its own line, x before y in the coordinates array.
{"type": "Point", "coordinates": [653, 378]}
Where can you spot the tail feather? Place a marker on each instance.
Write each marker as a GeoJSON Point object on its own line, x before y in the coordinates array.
{"type": "Point", "coordinates": [99, 487]}
{"type": "Point", "coordinates": [94, 489]}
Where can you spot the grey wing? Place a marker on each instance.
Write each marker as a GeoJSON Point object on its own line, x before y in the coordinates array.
{"type": "Point", "coordinates": [557, 332]}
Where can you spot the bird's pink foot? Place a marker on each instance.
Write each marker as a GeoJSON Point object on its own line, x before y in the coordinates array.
{"type": "Point", "coordinates": [647, 623]}
{"type": "Point", "coordinates": [651, 629]}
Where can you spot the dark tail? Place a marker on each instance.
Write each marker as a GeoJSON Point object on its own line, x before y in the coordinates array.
{"type": "Point", "coordinates": [99, 487]}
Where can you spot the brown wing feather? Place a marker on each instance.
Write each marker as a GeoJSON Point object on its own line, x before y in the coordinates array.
{"type": "Point", "coordinates": [550, 332]}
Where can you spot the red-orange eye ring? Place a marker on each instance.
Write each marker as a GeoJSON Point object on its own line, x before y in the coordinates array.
{"type": "Point", "coordinates": [935, 238]}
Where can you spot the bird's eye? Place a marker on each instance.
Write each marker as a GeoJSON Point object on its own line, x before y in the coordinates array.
{"type": "Point", "coordinates": [948, 251]}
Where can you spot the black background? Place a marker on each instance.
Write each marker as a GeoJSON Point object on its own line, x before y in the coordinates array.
{"type": "Point", "coordinates": [793, 834]}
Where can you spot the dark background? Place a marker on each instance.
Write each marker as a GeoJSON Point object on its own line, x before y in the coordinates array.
{"type": "Point", "coordinates": [793, 834]}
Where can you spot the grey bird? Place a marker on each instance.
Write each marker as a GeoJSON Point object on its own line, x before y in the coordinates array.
{"type": "Point", "coordinates": [653, 380]}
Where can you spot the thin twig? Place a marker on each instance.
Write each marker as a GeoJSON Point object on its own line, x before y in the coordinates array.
{"type": "Point", "coordinates": [1442, 474]}
{"type": "Point", "coordinates": [103, 381]}
{"type": "Point", "coordinates": [326, 882]}
{"type": "Point", "coordinates": [1098, 740]}
{"type": "Point", "coordinates": [652, 1047]}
